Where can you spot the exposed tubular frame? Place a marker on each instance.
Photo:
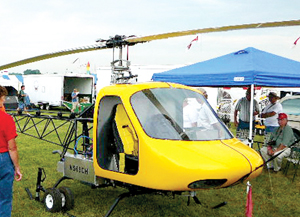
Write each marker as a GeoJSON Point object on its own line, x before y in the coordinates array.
{"type": "Point", "coordinates": [41, 128]}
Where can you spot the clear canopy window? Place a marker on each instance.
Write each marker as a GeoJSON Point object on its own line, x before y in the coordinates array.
{"type": "Point", "coordinates": [177, 114]}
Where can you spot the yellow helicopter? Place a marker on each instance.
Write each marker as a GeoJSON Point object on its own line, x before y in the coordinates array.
{"type": "Point", "coordinates": [141, 140]}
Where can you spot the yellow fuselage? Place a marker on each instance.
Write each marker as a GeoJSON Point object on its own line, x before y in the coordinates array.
{"type": "Point", "coordinates": [175, 164]}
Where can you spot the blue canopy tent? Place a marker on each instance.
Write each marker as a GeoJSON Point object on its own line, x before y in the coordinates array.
{"type": "Point", "coordinates": [242, 68]}
{"type": "Point", "coordinates": [247, 67]}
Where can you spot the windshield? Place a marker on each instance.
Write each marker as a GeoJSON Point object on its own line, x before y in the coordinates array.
{"type": "Point", "coordinates": [291, 106]}
{"type": "Point", "coordinates": [177, 114]}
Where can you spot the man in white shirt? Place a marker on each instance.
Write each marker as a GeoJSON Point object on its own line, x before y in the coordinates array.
{"type": "Point", "coordinates": [270, 113]}
{"type": "Point", "coordinates": [205, 118]}
{"type": "Point", "coordinates": [190, 115]}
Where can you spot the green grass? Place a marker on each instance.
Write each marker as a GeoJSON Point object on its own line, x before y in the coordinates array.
{"type": "Point", "coordinates": [273, 194]}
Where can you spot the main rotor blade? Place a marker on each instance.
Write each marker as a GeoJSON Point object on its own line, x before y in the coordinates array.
{"type": "Point", "coordinates": [216, 29]}
{"type": "Point", "coordinates": [133, 41]}
{"type": "Point", "coordinates": [52, 55]}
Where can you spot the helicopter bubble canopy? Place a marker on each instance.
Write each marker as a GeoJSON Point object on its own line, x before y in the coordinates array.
{"type": "Point", "coordinates": [177, 114]}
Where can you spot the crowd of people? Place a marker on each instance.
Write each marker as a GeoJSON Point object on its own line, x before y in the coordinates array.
{"type": "Point", "coordinates": [24, 100]}
{"type": "Point", "coordinates": [279, 136]}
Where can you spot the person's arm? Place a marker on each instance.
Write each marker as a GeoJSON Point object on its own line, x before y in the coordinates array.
{"type": "Point", "coordinates": [236, 110]}
{"type": "Point", "coordinates": [280, 147]}
{"type": "Point", "coordinates": [235, 118]}
{"type": "Point", "coordinates": [256, 108]}
{"type": "Point", "coordinates": [13, 152]}
{"type": "Point", "coordinates": [286, 140]}
{"type": "Point", "coordinates": [268, 114]}
{"type": "Point", "coordinates": [23, 94]}
{"type": "Point", "coordinates": [272, 152]}
{"type": "Point", "coordinates": [193, 116]}
{"type": "Point", "coordinates": [74, 95]}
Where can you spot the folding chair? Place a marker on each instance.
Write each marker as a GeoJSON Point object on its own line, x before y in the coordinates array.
{"type": "Point", "coordinates": [294, 159]}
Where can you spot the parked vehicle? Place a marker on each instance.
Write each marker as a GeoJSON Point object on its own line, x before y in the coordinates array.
{"type": "Point", "coordinates": [11, 101]}
{"type": "Point", "coordinates": [12, 85]}
{"type": "Point", "coordinates": [290, 106]}
{"type": "Point", "coordinates": [50, 90]}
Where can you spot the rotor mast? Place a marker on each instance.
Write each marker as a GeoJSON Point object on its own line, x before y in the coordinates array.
{"type": "Point", "coordinates": [120, 68]}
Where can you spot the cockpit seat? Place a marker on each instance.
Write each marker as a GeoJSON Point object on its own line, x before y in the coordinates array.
{"type": "Point", "coordinates": [126, 141]}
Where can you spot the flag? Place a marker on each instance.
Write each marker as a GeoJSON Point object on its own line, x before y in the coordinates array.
{"type": "Point", "coordinates": [296, 41]}
{"type": "Point", "coordinates": [195, 39]}
{"type": "Point", "coordinates": [88, 68]}
{"type": "Point", "coordinates": [249, 204]}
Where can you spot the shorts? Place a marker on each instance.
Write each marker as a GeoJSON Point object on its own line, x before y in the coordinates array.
{"type": "Point", "coordinates": [75, 105]}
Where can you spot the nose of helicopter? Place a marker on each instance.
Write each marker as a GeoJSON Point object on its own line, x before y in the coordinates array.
{"type": "Point", "coordinates": [206, 164]}
{"type": "Point", "coordinates": [255, 160]}
{"type": "Point", "coordinates": [235, 162]}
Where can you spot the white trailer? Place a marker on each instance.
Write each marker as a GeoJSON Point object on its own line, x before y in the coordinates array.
{"type": "Point", "coordinates": [10, 81]}
{"type": "Point", "coordinates": [47, 90]}
{"type": "Point", "coordinates": [12, 85]}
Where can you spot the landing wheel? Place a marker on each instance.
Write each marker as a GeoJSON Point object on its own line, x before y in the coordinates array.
{"type": "Point", "coordinates": [68, 200]}
{"type": "Point", "coordinates": [53, 200]}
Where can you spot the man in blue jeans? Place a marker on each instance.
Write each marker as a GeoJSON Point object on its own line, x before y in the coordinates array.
{"type": "Point", "coordinates": [21, 98]}
{"type": "Point", "coordinates": [9, 163]}
{"type": "Point", "coordinates": [242, 107]}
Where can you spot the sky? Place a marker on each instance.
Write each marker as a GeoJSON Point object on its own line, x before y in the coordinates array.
{"type": "Point", "coordinates": [31, 28]}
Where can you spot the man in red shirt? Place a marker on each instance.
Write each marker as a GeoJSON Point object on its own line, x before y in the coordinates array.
{"type": "Point", "coordinates": [9, 162]}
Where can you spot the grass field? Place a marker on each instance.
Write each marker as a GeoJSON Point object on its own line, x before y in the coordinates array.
{"type": "Point", "coordinates": [273, 194]}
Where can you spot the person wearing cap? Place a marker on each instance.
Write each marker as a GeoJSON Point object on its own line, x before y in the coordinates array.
{"type": "Point", "coordinates": [280, 141]}
{"type": "Point", "coordinates": [270, 113]}
{"type": "Point", "coordinates": [243, 108]}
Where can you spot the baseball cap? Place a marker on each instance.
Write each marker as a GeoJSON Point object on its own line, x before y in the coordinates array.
{"type": "Point", "coordinates": [282, 116]}
{"type": "Point", "coordinates": [272, 94]}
